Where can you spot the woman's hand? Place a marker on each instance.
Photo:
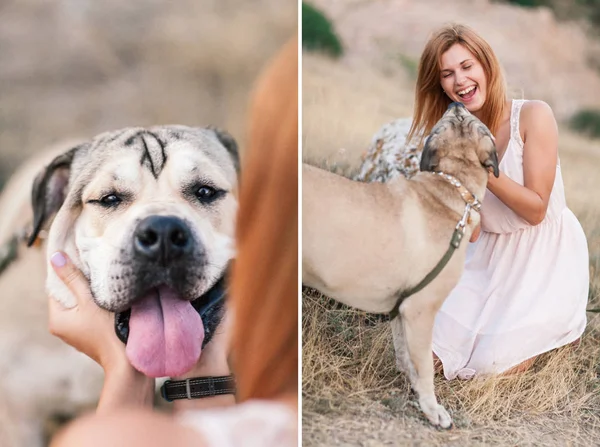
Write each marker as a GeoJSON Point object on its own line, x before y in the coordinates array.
{"type": "Point", "coordinates": [87, 327]}
{"type": "Point", "coordinates": [475, 234]}
{"type": "Point", "coordinates": [90, 329]}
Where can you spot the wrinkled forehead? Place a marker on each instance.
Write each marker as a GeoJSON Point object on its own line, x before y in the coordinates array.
{"type": "Point", "coordinates": [169, 150]}
{"type": "Point", "coordinates": [462, 126]}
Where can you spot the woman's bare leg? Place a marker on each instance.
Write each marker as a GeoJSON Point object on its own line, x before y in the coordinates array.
{"type": "Point", "coordinates": [438, 367]}
{"type": "Point", "coordinates": [524, 366]}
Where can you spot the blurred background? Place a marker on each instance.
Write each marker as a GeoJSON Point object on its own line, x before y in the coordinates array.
{"type": "Point", "coordinates": [359, 70]}
{"type": "Point", "coordinates": [75, 68]}
{"type": "Point", "coordinates": [549, 52]}
{"type": "Point", "coordinates": [70, 69]}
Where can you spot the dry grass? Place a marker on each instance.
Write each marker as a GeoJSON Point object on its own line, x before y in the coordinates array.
{"type": "Point", "coordinates": [362, 98]}
{"type": "Point", "coordinates": [352, 392]}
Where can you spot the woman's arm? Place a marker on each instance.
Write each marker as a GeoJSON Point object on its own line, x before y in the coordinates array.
{"type": "Point", "coordinates": [124, 387]}
{"type": "Point", "coordinates": [540, 156]}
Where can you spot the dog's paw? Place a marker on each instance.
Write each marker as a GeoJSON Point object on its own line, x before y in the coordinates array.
{"type": "Point", "coordinates": [436, 414]}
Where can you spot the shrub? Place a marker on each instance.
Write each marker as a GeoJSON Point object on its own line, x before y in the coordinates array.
{"type": "Point", "coordinates": [529, 3]}
{"type": "Point", "coordinates": [318, 33]}
{"type": "Point", "coordinates": [587, 121]}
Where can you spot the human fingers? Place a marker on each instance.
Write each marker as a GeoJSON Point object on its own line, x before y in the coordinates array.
{"type": "Point", "coordinates": [72, 277]}
{"type": "Point", "coordinates": [60, 320]}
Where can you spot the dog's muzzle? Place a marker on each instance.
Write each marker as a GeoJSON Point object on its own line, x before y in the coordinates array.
{"type": "Point", "coordinates": [203, 305]}
{"type": "Point", "coordinates": [165, 249]}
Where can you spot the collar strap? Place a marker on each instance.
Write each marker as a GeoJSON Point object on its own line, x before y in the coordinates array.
{"type": "Point", "coordinates": [457, 236]}
{"type": "Point", "coordinates": [197, 387]}
{"type": "Point", "coordinates": [469, 198]}
{"type": "Point", "coordinates": [471, 202]}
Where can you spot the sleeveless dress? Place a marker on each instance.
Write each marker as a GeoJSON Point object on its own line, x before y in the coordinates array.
{"type": "Point", "coordinates": [524, 288]}
{"type": "Point", "coordinates": [255, 423]}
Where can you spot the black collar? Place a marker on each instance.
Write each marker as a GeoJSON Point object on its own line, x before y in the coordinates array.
{"type": "Point", "coordinates": [197, 387]}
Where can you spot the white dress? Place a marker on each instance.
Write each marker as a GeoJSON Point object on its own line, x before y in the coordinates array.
{"type": "Point", "coordinates": [524, 288]}
{"type": "Point", "coordinates": [255, 423]}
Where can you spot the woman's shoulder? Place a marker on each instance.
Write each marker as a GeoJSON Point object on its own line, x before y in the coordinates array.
{"type": "Point", "coordinates": [534, 109]}
{"type": "Point", "coordinates": [535, 115]}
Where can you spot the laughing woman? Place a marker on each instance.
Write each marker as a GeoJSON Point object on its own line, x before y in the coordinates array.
{"type": "Point", "coordinates": [525, 284]}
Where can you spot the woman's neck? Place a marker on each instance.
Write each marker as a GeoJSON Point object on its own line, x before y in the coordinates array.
{"type": "Point", "coordinates": [505, 116]}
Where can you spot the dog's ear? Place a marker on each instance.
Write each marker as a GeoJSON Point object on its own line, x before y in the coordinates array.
{"type": "Point", "coordinates": [492, 162]}
{"type": "Point", "coordinates": [487, 153]}
{"type": "Point", "coordinates": [49, 191]}
{"type": "Point", "coordinates": [230, 144]}
{"type": "Point", "coordinates": [429, 156]}
{"type": "Point", "coordinates": [486, 150]}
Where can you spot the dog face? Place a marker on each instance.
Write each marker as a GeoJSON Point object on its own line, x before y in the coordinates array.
{"type": "Point", "coordinates": [148, 215]}
{"type": "Point", "coordinates": [459, 139]}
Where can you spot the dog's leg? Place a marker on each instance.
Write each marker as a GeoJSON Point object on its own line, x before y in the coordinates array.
{"type": "Point", "coordinates": [403, 362]}
{"type": "Point", "coordinates": [416, 320]}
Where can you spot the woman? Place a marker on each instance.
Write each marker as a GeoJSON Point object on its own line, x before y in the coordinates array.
{"type": "Point", "coordinates": [264, 289]}
{"type": "Point", "coordinates": [525, 284]}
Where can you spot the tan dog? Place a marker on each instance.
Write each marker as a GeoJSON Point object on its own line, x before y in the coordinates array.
{"type": "Point", "coordinates": [148, 215]}
{"type": "Point", "coordinates": [364, 244]}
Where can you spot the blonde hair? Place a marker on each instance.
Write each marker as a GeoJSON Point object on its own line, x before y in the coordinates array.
{"type": "Point", "coordinates": [430, 100]}
{"type": "Point", "coordinates": [265, 274]}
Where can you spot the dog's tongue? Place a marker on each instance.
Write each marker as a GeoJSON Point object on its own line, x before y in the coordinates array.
{"type": "Point", "coordinates": [165, 334]}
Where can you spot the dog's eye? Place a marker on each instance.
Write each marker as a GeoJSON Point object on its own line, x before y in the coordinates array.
{"type": "Point", "coordinates": [110, 200]}
{"type": "Point", "coordinates": [206, 193]}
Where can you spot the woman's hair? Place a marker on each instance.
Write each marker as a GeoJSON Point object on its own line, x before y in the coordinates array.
{"type": "Point", "coordinates": [430, 100]}
{"type": "Point", "coordinates": [264, 287]}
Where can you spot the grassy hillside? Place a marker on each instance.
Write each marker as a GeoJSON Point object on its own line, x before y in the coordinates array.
{"type": "Point", "coordinates": [352, 392]}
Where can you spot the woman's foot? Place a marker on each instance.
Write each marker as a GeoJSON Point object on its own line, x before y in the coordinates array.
{"type": "Point", "coordinates": [520, 368]}
{"type": "Point", "coordinates": [438, 367]}
{"type": "Point", "coordinates": [524, 366]}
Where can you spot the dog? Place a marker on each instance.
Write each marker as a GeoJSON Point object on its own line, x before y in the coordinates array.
{"type": "Point", "coordinates": [366, 244]}
{"type": "Point", "coordinates": [148, 216]}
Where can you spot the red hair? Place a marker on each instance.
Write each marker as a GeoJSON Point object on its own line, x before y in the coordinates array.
{"type": "Point", "coordinates": [265, 274]}
{"type": "Point", "coordinates": [430, 100]}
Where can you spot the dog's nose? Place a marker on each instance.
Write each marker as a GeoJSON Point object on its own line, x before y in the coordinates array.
{"type": "Point", "coordinates": [456, 104]}
{"type": "Point", "coordinates": [162, 238]}
{"type": "Point", "coordinates": [458, 109]}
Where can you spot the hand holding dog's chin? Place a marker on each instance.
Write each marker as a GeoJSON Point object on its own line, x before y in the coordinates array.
{"type": "Point", "coordinates": [492, 181]}
{"type": "Point", "coordinates": [85, 326]}
{"type": "Point", "coordinates": [90, 330]}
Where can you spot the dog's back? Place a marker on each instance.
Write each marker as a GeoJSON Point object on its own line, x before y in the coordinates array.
{"type": "Point", "coordinates": [351, 235]}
